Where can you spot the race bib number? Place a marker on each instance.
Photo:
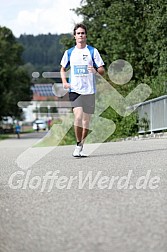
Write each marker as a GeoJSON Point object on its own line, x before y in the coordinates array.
{"type": "Point", "coordinates": [80, 70]}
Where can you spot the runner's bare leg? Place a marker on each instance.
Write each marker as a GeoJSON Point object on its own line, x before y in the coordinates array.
{"type": "Point", "coordinates": [81, 124]}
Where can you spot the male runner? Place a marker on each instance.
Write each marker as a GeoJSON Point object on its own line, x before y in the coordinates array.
{"type": "Point", "coordinates": [84, 62]}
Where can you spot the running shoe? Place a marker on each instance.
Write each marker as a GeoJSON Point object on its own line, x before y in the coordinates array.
{"type": "Point", "coordinates": [77, 151]}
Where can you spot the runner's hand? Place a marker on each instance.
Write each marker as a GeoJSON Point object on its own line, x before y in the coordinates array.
{"type": "Point", "coordinates": [91, 69]}
{"type": "Point", "coordinates": [66, 85]}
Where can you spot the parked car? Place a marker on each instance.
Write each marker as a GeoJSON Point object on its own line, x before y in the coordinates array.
{"type": "Point", "coordinates": [39, 124]}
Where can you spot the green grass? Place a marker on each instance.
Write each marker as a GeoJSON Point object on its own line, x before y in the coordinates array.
{"type": "Point", "coordinates": [53, 139]}
{"type": "Point", "coordinates": [27, 131]}
{"type": "Point", "coordinates": [3, 137]}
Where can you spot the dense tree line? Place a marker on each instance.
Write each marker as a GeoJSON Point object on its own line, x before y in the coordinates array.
{"type": "Point", "coordinates": [42, 52]}
{"type": "Point", "coordinates": [14, 80]}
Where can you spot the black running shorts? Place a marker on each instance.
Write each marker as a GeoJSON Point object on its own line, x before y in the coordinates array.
{"type": "Point", "coordinates": [87, 102]}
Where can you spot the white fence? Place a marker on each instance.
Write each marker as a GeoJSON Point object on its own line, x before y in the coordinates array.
{"type": "Point", "coordinates": [153, 115]}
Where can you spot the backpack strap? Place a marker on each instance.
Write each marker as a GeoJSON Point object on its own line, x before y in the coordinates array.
{"type": "Point", "coordinates": [91, 50]}
{"type": "Point", "coordinates": [69, 51]}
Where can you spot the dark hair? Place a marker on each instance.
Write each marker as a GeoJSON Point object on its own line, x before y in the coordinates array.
{"type": "Point", "coordinates": [79, 26]}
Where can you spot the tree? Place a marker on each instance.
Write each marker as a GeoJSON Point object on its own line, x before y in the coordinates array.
{"type": "Point", "coordinates": [42, 51]}
{"type": "Point", "coordinates": [14, 81]}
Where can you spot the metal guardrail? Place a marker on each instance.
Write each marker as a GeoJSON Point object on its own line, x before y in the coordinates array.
{"type": "Point", "coordinates": [153, 115]}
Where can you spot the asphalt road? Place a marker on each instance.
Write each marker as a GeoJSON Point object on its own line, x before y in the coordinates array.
{"type": "Point", "coordinates": [55, 207]}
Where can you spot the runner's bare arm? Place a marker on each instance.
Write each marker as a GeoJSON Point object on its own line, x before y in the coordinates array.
{"type": "Point", "coordinates": [100, 70]}
{"type": "Point", "coordinates": [66, 85]}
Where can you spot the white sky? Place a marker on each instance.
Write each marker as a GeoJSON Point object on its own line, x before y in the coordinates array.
{"type": "Point", "coordinates": [39, 16]}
